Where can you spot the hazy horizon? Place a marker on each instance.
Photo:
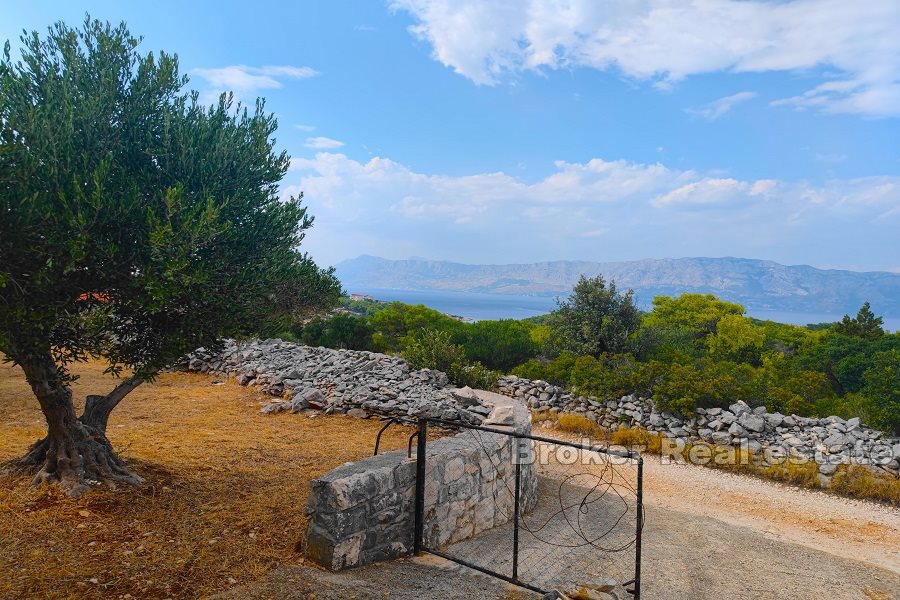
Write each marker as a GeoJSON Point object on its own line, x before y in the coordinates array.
{"type": "Point", "coordinates": [592, 260]}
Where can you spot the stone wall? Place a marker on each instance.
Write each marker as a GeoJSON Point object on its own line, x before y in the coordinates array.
{"type": "Point", "coordinates": [770, 437]}
{"type": "Point", "coordinates": [354, 382]}
{"type": "Point", "coordinates": [364, 512]}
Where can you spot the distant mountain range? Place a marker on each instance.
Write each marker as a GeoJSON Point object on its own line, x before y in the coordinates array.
{"type": "Point", "coordinates": [757, 284]}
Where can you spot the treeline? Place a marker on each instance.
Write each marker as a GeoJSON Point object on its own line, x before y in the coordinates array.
{"type": "Point", "coordinates": [687, 352]}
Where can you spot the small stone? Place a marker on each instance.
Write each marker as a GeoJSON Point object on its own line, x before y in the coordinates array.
{"type": "Point", "coordinates": [738, 408]}
{"type": "Point", "coordinates": [752, 422]}
{"type": "Point", "coordinates": [827, 468]}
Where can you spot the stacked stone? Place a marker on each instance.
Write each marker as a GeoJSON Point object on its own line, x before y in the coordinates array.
{"type": "Point", "coordinates": [829, 441]}
{"type": "Point", "coordinates": [364, 512]}
{"type": "Point", "coordinates": [357, 383]}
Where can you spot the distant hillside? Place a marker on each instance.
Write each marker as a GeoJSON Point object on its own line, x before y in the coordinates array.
{"type": "Point", "coordinates": [757, 284]}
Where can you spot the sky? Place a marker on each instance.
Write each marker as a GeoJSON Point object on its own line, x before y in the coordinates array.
{"type": "Point", "coordinates": [526, 131]}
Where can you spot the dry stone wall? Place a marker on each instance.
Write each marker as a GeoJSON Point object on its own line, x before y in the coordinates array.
{"type": "Point", "coordinates": [354, 382]}
{"type": "Point", "coordinates": [829, 441]}
{"type": "Point", "coordinates": [363, 512]}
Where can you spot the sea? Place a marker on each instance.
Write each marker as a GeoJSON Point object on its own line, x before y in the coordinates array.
{"type": "Point", "coordinates": [476, 306]}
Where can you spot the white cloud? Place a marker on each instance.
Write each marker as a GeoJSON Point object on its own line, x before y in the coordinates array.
{"type": "Point", "coordinates": [664, 41]}
{"type": "Point", "coordinates": [591, 210]}
{"type": "Point", "coordinates": [719, 108]}
{"type": "Point", "coordinates": [305, 127]}
{"type": "Point", "coordinates": [704, 191]}
{"type": "Point", "coordinates": [244, 80]}
{"type": "Point", "coordinates": [322, 143]}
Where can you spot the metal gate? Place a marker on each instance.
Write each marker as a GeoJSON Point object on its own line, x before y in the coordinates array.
{"type": "Point", "coordinates": [565, 514]}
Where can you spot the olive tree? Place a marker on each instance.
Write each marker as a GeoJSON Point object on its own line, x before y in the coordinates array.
{"type": "Point", "coordinates": [136, 224]}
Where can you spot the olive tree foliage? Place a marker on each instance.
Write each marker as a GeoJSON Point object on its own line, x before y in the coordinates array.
{"type": "Point", "coordinates": [596, 318]}
{"type": "Point", "coordinates": [136, 224]}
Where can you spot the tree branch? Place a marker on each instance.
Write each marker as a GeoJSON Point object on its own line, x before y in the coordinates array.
{"type": "Point", "coordinates": [98, 408]}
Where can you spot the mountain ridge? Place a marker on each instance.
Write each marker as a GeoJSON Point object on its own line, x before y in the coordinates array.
{"type": "Point", "coordinates": [756, 283]}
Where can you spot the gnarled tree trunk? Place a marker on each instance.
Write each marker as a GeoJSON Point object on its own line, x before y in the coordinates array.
{"type": "Point", "coordinates": [75, 454]}
{"type": "Point", "coordinates": [97, 408]}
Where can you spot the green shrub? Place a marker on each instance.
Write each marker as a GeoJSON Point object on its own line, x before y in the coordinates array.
{"type": "Point", "coordinates": [499, 344]}
{"type": "Point", "coordinates": [474, 375]}
{"type": "Point", "coordinates": [338, 331]}
{"type": "Point", "coordinates": [432, 349]}
{"type": "Point", "coordinates": [882, 387]}
{"type": "Point", "coordinates": [399, 324]}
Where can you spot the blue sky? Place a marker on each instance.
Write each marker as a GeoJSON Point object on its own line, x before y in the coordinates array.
{"type": "Point", "coordinates": [497, 132]}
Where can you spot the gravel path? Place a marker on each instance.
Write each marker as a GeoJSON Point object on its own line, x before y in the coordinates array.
{"type": "Point", "coordinates": [846, 528]}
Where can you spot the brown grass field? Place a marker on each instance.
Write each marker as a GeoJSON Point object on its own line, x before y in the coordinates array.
{"type": "Point", "coordinates": [222, 503]}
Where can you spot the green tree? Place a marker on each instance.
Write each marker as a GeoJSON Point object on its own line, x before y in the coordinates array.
{"type": "Point", "coordinates": [882, 387]}
{"type": "Point", "coordinates": [844, 358]}
{"type": "Point", "coordinates": [338, 331]}
{"type": "Point", "coordinates": [596, 318]}
{"type": "Point", "coordinates": [137, 225]}
{"type": "Point", "coordinates": [397, 324]}
{"type": "Point", "coordinates": [499, 344]}
{"type": "Point", "coordinates": [783, 386]}
{"type": "Point", "coordinates": [864, 325]}
{"type": "Point", "coordinates": [736, 339]}
{"type": "Point", "coordinates": [695, 312]}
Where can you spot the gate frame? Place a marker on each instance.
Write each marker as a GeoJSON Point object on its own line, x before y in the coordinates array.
{"type": "Point", "coordinates": [418, 534]}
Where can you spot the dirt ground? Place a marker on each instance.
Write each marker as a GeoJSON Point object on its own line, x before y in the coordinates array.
{"type": "Point", "coordinates": [223, 500]}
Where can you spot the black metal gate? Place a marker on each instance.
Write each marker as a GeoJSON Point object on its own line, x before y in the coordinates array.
{"type": "Point", "coordinates": [564, 514]}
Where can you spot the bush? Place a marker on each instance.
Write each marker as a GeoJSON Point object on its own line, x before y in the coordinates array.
{"type": "Point", "coordinates": [338, 331]}
{"type": "Point", "coordinates": [804, 474]}
{"type": "Point", "coordinates": [499, 344]}
{"type": "Point", "coordinates": [607, 376]}
{"type": "Point", "coordinates": [475, 375]}
{"type": "Point", "coordinates": [399, 324]}
{"type": "Point", "coordinates": [882, 387]}
{"type": "Point", "coordinates": [433, 349]}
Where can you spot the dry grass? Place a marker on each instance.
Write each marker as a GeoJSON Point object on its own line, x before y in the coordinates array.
{"type": "Point", "coordinates": [802, 474]}
{"type": "Point", "coordinates": [635, 437]}
{"type": "Point", "coordinates": [574, 423]}
{"type": "Point", "coordinates": [854, 480]}
{"type": "Point", "coordinates": [876, 594]}
{"type": "Point", "coordinates": [225, 488]}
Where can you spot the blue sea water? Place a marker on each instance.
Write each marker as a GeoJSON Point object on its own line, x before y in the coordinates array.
{"type": "Point", "coordinates": [472, 305]}
{"type": "Point", "coordinates": [480, 307]}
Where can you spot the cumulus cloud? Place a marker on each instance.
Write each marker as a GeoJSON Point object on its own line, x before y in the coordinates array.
{"type": "Point", "coordinates": [598, 209]}
{"type": "Point", "coordinates": [244, 80]}
{"type": "Point", "coordinates": [663, 42]}
{"type": "Point", "coordinates": [719, 108]}
{"type": "Point", "coordinates": [322, 143]}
